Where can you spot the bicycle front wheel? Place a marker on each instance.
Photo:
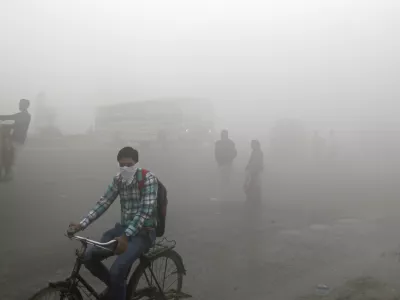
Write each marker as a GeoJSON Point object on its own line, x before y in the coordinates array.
{"type": "Point", "coordinates": [56, 293]}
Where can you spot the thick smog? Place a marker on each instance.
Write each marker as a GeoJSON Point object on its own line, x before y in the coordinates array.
{"type": "Point", "coordinates": [205, 150]}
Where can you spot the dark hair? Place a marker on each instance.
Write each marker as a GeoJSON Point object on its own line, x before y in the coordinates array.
{"type": "Point", "coordinates": [24, 103]}
{"type": "Point", "coordinates": [128, 152]}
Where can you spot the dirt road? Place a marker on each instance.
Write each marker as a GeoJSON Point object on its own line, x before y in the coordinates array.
{"type": "Point", "coordinates": [310, 229]}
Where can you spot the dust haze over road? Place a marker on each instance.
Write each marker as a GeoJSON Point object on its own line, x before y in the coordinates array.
{"type": "Point", "coordinates": [329, 65]}
{"type": "Point", "coordinates": [317, 224]}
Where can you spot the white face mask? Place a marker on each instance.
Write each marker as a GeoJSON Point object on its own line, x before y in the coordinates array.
{"type": "Point", "coordinates": [128, 173]}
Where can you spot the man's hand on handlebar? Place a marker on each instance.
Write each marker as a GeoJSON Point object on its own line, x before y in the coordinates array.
{"type": "Point", "coordinates": [121, 242]}
{"type": "Point", "coordinates": [73, 228]}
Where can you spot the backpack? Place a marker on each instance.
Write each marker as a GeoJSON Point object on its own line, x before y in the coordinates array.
{"type": "Point", "coordinates": [162, 202]}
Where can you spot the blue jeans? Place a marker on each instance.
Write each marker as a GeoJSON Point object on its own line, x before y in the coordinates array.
{"type": "Point", "coordinates": [115, 278]}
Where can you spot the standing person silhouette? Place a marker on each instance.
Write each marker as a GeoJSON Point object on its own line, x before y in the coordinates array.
{"type": "Point", "coordinates": [254, 169]}
{"type": "Point", "coordinates": [225, 154]}
{"type": "Point", "coordinates": [20, 127]}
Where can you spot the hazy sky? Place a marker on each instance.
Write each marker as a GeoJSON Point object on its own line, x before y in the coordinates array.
{"type": "Point", "coordinates": [318, 59]}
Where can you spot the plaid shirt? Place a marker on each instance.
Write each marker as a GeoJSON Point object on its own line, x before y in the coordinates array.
{"type": "Point", "coordinates": [137, 207]}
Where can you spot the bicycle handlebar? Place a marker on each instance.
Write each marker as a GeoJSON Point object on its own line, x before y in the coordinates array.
{"type": "Point", "coordinates": [94, 243]}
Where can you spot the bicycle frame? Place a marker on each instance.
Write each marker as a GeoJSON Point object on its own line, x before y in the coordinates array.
{"type": "Point", "coordinates": [75, 278]}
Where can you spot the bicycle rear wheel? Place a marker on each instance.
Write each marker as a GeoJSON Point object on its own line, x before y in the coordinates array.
{"type": "Point", "coordinates": [168, 270]}
{"type": "Point", "coordinates": [56, 293]}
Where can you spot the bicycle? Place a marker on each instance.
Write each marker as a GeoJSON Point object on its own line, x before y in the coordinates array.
{"type": "Point", "coordinates": [73, 287]}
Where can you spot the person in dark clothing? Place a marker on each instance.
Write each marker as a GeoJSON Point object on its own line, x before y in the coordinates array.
{"type": "Point", "coordinates": [225, 154]}
{"type": "Point", "coordinates": [254, 170]}
{"type": "Point", "coordinates": [20, 126]}
{"type": "Point", "coordinates": [21, 122]}
{"type": "Point", "coordinates": [225, 150]}
{"type": "Point", "coordinates": [7, 152]}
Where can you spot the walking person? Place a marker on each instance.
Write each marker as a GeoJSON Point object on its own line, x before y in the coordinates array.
{"type": "Point", "coordinates": [20, 128]}
{"type": "Point", "coordinates": [254, 169]}
{"type": "Point", "coordinates": [225, 154]}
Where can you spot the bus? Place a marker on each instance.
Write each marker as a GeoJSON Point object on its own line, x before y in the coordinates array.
{"type": "Point", "coordinates": [141, 123]}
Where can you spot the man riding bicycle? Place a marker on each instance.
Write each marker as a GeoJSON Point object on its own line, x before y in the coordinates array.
{"type": "Point", "coordinates": [136, 232]}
